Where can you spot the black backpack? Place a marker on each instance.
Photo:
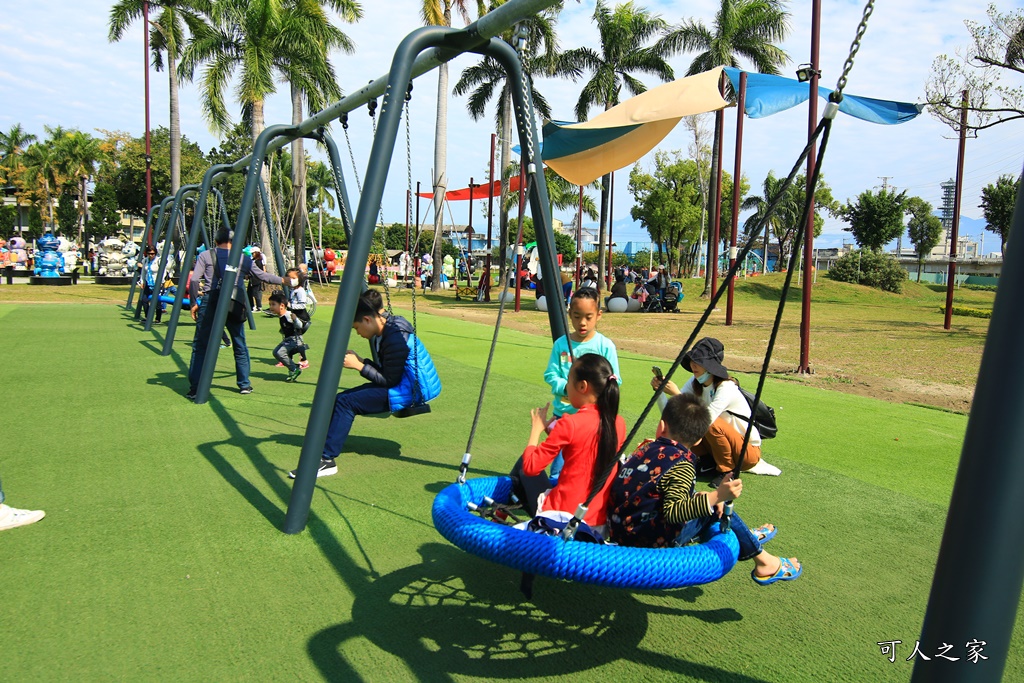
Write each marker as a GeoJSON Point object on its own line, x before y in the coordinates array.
{"type": "Point", "coordinates": [764, 415]}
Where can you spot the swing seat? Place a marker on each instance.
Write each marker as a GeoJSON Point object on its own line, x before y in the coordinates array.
{"type": "Point", "coordinates": [408, 411]}
{"type": "Point", "coordinates": [603, 565]}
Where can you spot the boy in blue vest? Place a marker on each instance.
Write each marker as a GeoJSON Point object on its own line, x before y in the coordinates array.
{"type": "Point", "coordinates": [391, 381]}
{"type": "Point", "coordinates": [653, 503]}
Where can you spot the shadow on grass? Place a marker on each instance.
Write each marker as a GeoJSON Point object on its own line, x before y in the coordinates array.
{"type": "Point", "coordinates": [452, 614]}
{"type": "Point", "coordinates": [455, 615]}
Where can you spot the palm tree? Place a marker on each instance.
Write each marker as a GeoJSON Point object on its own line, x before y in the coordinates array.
{"type": "Point", "coordinates": [624, 35]}
{"type": "Point", "coordinates": [167, 37]}
{"type": "Point", "coordinates": [41, 173]}
{"type": "Point", "coordinates": [315, 95]}
{"type": "Point", "coordinates": [439, 13]}
{"type": "Point", "coordinates": [12, 148]}
{"type": "Point", "coordinates": [540, 56]}
{"type": "Point", "coordinates": [319, 185]}
{"type": "Point", "coordinates": [258, 38]}
{"type": "Point", "coordinates": [785, 221]}
{"type": "Point", "coordinates": [742, 28]}
{"type": "Point", "coordinates": [78, 154]}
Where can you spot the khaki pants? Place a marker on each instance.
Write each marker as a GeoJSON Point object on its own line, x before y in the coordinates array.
{"type": "Point", "coordinates": [723, 443]}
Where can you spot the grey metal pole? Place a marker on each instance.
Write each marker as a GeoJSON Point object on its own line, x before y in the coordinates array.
{"type": "Point", "coordinates": [339, 181]}
{"type": "Point", "coordinates": [155, 234]}
{"type": "Point", "coordinates": [145, 236]}
{"type": "Point", "coordinates": [166, 251]}
{"type": "Point", "coordinates": [539, 205]}
{"type": "Point", "coordinates": [491, 24]}
{"type": "Point", "coordinates": [187, 262]}
{"type": "Point", "coordinates": [359, 251]}
{"type": "Point", "coordinates": [977, 585]}
{"type": "Point", "coordinates": [272, 229]}
{"type": "Point", "coordinates": [220, 312]}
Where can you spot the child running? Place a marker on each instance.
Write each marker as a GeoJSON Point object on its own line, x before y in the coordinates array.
{"type": "Point", "coordinates": [589, 438]}
{"type": "Point", "coordinates": [652, 502]}
{"type": "Point", "coordinates": [584, 313]}
{"type": "Point", "coordinates": [291, 328]}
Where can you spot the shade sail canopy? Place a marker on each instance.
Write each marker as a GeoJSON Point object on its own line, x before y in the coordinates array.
{"type": "Point", "coordinates": [583, 152]}
{"type": "Point", "coordinates": [479, 191]}
{"type": "Point", "coordinates": [767, 95]}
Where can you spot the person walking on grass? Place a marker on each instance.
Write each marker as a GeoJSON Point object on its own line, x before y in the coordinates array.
{"type": "Point", "coordinates": [210, 267]}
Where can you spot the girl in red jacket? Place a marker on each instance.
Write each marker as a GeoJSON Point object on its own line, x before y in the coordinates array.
{"type": "Point", "coordinates": [589, 440]}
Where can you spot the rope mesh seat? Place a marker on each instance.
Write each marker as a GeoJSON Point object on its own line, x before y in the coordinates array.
{"type": "Point", "coordinates": [603, 565]}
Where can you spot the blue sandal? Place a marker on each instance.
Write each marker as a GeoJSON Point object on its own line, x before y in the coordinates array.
{"type": "Point", "coordinates": [763, 531]}
{"type": "Point", "coordinates": [787, 572]}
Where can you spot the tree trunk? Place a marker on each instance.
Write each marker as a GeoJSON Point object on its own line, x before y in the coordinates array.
{"type": "Point", "coordinates": [299, 215]}
{"type": "Point", "coordinates": [175, 121]}
{"type": "Point", "coordinates": [713, 201]}
{"type": "Point", "coordinates": [602, 234]}
{"type": "Point", "coordinates": [920, 264]}
{"type": "Point", "coordinates": [440, 177]}
{"type": "Point", "coordinates": [263, 222]}
{"type": "Point", "coordinates": [504, 160]}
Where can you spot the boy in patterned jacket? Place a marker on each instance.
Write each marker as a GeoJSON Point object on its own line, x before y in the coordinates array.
{"type": "Point", "coordinates": [653, 503]}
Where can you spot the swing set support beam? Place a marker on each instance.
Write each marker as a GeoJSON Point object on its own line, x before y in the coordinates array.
{"type": "Point", "coordinates": [165, 253]}
{"type": "Point", "coordinates": [145, 236]}
{"type": "Point", "coordinates": [449, 43]}
{"type": "Point", "coordinates": [153, 234]}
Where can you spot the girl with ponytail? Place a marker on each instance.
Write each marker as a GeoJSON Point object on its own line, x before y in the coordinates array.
{"type": "Point", "coordinates": [589, 440]}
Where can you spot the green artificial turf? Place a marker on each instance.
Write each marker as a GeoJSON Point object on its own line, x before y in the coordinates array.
{"type": "Point", "coordinates": [161, 556]}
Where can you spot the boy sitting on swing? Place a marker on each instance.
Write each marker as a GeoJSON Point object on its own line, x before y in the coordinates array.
{"type": "Point", "coordinates": [402, 376]}
{"type": "Point", "coordinates": [653, 503]}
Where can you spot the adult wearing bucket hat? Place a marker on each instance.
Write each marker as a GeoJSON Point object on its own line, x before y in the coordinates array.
{"type": "Point", "coordinates": [729, 410]}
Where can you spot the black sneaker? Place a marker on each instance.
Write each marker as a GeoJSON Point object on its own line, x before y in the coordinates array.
{"type": "Point", "coordinates": [191, 395]}
{"type": "Point", "coordinates": [326, 469]}
{"type": "Point", "coordinates": [245, 390]}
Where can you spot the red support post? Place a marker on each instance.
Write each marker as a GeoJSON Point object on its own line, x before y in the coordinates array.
{"type": "Point", "coordinates": [741, 97]}
{"type": "Point", "coordinates": [517, 260]}
{"type": "Point", "coordinates": [812, 123]}
{"type": "Point", "coordinates": [717, 234]}
{"type": "Point", "coordinates": [490, 221]}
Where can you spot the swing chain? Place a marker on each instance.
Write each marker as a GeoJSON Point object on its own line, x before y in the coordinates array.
{"type": "Point", "coordinates": [521, 35]}
{"type": "Point", "coordinates": [854, 48]}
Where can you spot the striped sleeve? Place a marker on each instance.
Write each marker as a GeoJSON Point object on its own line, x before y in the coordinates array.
{"type": "Point", "coordinates": [678, 506]}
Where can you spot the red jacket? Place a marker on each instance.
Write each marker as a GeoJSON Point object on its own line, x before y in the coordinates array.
{"type": "Point", "coordinates": [576, 437]}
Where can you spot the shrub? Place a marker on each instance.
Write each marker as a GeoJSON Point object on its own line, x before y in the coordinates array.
{"type": "Point", "coordinates": [871, 268]}
{"type": "Point", "coordinates": [969, 312]}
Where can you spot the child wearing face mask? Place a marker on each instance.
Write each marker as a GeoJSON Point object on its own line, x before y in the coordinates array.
{"type": "Point", "coordinates": [297, 305]}
{"type": "Point", "coordinates": [729, 411]}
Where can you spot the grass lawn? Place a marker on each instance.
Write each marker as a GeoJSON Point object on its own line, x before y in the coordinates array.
{"type": "Point", "coordinates": [161, 557]}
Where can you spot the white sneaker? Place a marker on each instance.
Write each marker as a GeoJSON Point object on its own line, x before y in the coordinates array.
{"type": "Point", "coordinates": [764, 468]}
{"type": "Point", "coordinates": [12, 517]}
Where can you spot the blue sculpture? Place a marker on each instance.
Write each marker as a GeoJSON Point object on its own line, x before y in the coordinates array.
{"type": "Point", "coordinates": [48, 261]}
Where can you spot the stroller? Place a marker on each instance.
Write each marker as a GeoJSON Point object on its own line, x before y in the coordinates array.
{"type": "Point", "coordinates": [653, 303]}
{"type": "Point", "coordinates": [673, 295]}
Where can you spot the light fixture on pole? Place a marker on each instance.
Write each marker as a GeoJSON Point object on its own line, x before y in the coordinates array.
{"type": "Point", "coordinates": [805, 72]}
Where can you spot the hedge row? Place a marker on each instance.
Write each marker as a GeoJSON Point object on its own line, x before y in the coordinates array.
{"type": "Point", "coordinates": [969, 312]}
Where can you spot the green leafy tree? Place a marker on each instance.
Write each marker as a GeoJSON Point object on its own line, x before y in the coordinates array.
{"type": "Point", "coordinates": [67, 214]}
{"type": "Point", "coordinates": [78, 155]}
{"type": "Point", "coordinates": [13, 144]}
{"type": "Point", "coordinates": [40, 175]}
{"type": "Point", "coordinates": [784, 222]}
{"type": "Point", "coordinates": [8, 220]}
{"type": "Point", "coordinates": [624, 50]}
{"type": "Point", "coordinates": [871, 268]}
{"type": "Point", "coordinates": [104, 217]}
{"type": "Point", "coordinates": [130, 181]}
{"type": "Point", "coordinates": [924, 227]}
{"type": "Point", "coordinates": [875, 219]}
{"type": "Point", "coordinates": [668, 202]}
{"type": "Point", "coordinates": [35, 224]}
{"type": "Point", "coordinates": [997, 202]}
{"type": "Point", "coordinates": [256, 42]}
{"type": "Point", "coordinates": [748, 29]}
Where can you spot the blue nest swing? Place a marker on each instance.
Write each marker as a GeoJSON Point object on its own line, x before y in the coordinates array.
{"type": "Point", "coordinates": [599, 564]}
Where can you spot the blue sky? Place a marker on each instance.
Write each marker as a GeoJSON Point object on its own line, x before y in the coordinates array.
{"type": "Point", "coordinates": [56, 67]}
